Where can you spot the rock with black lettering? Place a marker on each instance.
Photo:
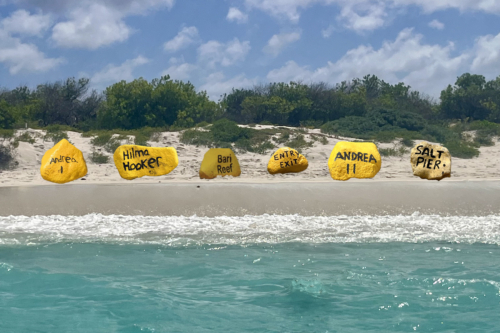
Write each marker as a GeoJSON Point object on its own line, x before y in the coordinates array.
{"type": "Point", "coordinates": [286, 160]}
{"type": "Point", "coordinates": [63, 163]}
{"type": "Point", "coordinates": [219, 162]}
{"type": "Point", "coordinates": [354, 160]}
{"type": "Point", "coordinates": [432, 162]}
{"type": "Point", "coordinates": [138, 161]}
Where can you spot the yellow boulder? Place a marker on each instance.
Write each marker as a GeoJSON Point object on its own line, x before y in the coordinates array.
{"type": "Point", "coordinates": [286, 160]}
{"type": "Point", "coordinates": [63, 163]}
{"type": "Point", "coordinates": [219, 162]}
{"type": "Point", "coordinates": [430, 161]}
{"type": "Point", "coordinates": [354, 160]}
{"type": "Point", "coordinates": [138, 161]}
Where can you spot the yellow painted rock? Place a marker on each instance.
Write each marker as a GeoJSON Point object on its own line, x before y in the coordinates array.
{"type": "Point", "coordinates": [138, 161]}
{"type": "Point", "coordinates": [219, 162]}
{"type": "Point", "coordinates": [354, 160]}
{"type": "Point", "coordinates": [430, 161]}
{"type": "Point", "coordinates": [286, 160]}
{"type": "Point", "coordinates": [63, 163]}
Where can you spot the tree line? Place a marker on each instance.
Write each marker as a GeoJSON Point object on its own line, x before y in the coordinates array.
{"type": "Point", "coordinates": [164, 102]}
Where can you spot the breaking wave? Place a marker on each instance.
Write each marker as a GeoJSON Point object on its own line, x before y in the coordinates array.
{"type": "Point", "coordinates": [184, 230]}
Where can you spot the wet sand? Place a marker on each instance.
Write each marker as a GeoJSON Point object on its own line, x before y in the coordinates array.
{"type": "Point", "coordinates": [237, 199]}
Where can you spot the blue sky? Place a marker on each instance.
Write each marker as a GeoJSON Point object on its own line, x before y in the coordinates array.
{"type": "Point", "coordinates": [219, 44]}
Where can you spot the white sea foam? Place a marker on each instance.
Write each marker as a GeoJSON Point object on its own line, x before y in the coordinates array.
{"type": "Point", "coordinates": [249, 229]}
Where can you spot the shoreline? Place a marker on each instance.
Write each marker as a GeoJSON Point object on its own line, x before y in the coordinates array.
{"type": "Point", "coordinates": [204, 198]}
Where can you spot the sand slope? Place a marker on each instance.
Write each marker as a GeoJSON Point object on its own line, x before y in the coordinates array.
{"type": "Point", "coordinates": [253, 166]}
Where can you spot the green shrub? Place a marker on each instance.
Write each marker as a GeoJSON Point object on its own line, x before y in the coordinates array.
{"type": "Point", "coordinates": [155, 137]}
{"type": "Point", "coordinates": [203, 124]}
{"type": "Point", "coordinates": [440, 133]}
{"type": "Point", "coordinates": [461, 150]}
{"type": "Point", "coordinates": [6, 157]}
{"type": "Point", "coordinates": [284, 137]}
{"type": "Point", "coordinates": [244, 145]}
{"type": "Point", "coordinates": [141, 140]}
{"type": "Point", "coordinates": [407, 142]}
{"type": "Point", "coordinates": [225, 130]}
{"type": "Point", "coordinates": [59, 128]}
{"type": "Point", "coordinates": [484, 125]}
{"type": "Point", "coordinates": [112, 145]}
{"type": "Point", "coordinates": [399, 151]}
{"type": "Point", "coordinates": [311, 123]}
{"type": "Point", "coordinates": [385, 136]}
{"type": "Point", "coordinates": [99, 158]}
{"type": "Point", "coordinates": [197, 138]}
{"type": "Point", "coordinates": [6, 133]}
{"type": "Point", "coordinates": [55, 136]}
{"type": "Point", "coordinates": [101, 139]}
{"type": "Point", "coordinates": [26, 137]}
{"type": "Point", "coordinates": [483, 139]}
{"type": "Point", "coordinates": [299, 142]}
{"type": "Point", "coordinates": [263, 148]}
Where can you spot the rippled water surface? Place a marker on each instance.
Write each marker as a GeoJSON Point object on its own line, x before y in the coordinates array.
{"type": "Point", "coordinates": [266, 274]}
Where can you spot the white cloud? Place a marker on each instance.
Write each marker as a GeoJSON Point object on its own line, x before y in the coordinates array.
{"type": "Point", "coordinates": [278, 42]}
{"type": "Point", "coordinates": [185, 37]}
{"type": "Point", "coordinates": [125, 7]}
{"type": "Point", "coordinates": [23, 23]}
{"type": "Point", "coordinates": [366, 15]}
{"type": "Point", "coordinates": [436, 24]}
{"type": "Point", "coordinates": [363, 16]}
{"type": "Point", "coordinates": [235, 14]}
{"type": "Point", "coordinates": [93, 24]}
{"type": "Point", "coordinates": [290, 72]}
{"type": "Point", "coordinates": [359, 15]}
{"type": "Point", "coordinates": [216, 84]}
{"type": "Point", "coordinates": [112, 73]}
{"type": "Point", "coordinates": [23, 57]}
{"type": "Point", "coordinates": [425, 67]}
{"type": "Point", "coordinates": [287, 9]}
{"type": "Point", "coordinates": [430, 6]}
{"type": "Point", "coordinates": [213, 52]}
{"type": "Point", "coordinates": [181, 71]}
{"type": "Point", "coordinates": [95, 27]}
{"type": "Point", "coordinates": [328, 31]}
{"type": "Point", "coordinates": [487, 55]}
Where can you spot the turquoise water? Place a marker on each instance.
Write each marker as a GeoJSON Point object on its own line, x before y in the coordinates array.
{"type": "Point", "coordinates": [113, 281]}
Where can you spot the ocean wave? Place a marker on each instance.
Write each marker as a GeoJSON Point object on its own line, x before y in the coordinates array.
{"type": "Point", "coordinates": [187, 230]}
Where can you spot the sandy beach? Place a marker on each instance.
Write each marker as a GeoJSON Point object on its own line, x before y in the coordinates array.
{"type": "Point", "coordinates": [238, 199]}
{"type": "Point", "coordinates": [473, 189]}
{"type": "Point", "coordinates": [253, 166]}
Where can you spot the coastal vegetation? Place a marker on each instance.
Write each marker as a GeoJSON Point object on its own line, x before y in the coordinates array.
{"type": "Point", "coordinates": [466, 117]}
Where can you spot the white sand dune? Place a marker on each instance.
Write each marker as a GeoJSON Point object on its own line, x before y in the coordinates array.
{"type": "Point", "coordinates": [253, 166]}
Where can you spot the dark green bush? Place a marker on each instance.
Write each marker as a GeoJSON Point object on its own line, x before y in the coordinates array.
{"type": "Point", "coordinates": [101, 139]}
{"type": "Point", "coordinates": [55, 134]}
{"type": "Point", "coordinates": [399, 151]}
{"type": "Point", "coordinates": [99, 158]}
{"type": "Point", "coordinates": [385, 136]}
{"type": "Point", "coordinates": [203, 124]}
{"type": "Point", "coordinates": [6, 157]}
{"type": "Point", "coordinates": [112, 145]}
{"type": "Point", "coordinates": [26, 137]}
{"type": "Point", "coordinates": [483, 139]}
{"type": "Point", "coordinates": [225, 130]}
{"type": "Point", "coordinates": [299, 142]}
{"type": "Point", "coordinates": [6, 133]}
{"type": "Point", "coordinates": [461, 150]}
{"type": "Point", "coordinates": [407, 142]}
{"type": "Point", "coordinates": [197, 138]}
